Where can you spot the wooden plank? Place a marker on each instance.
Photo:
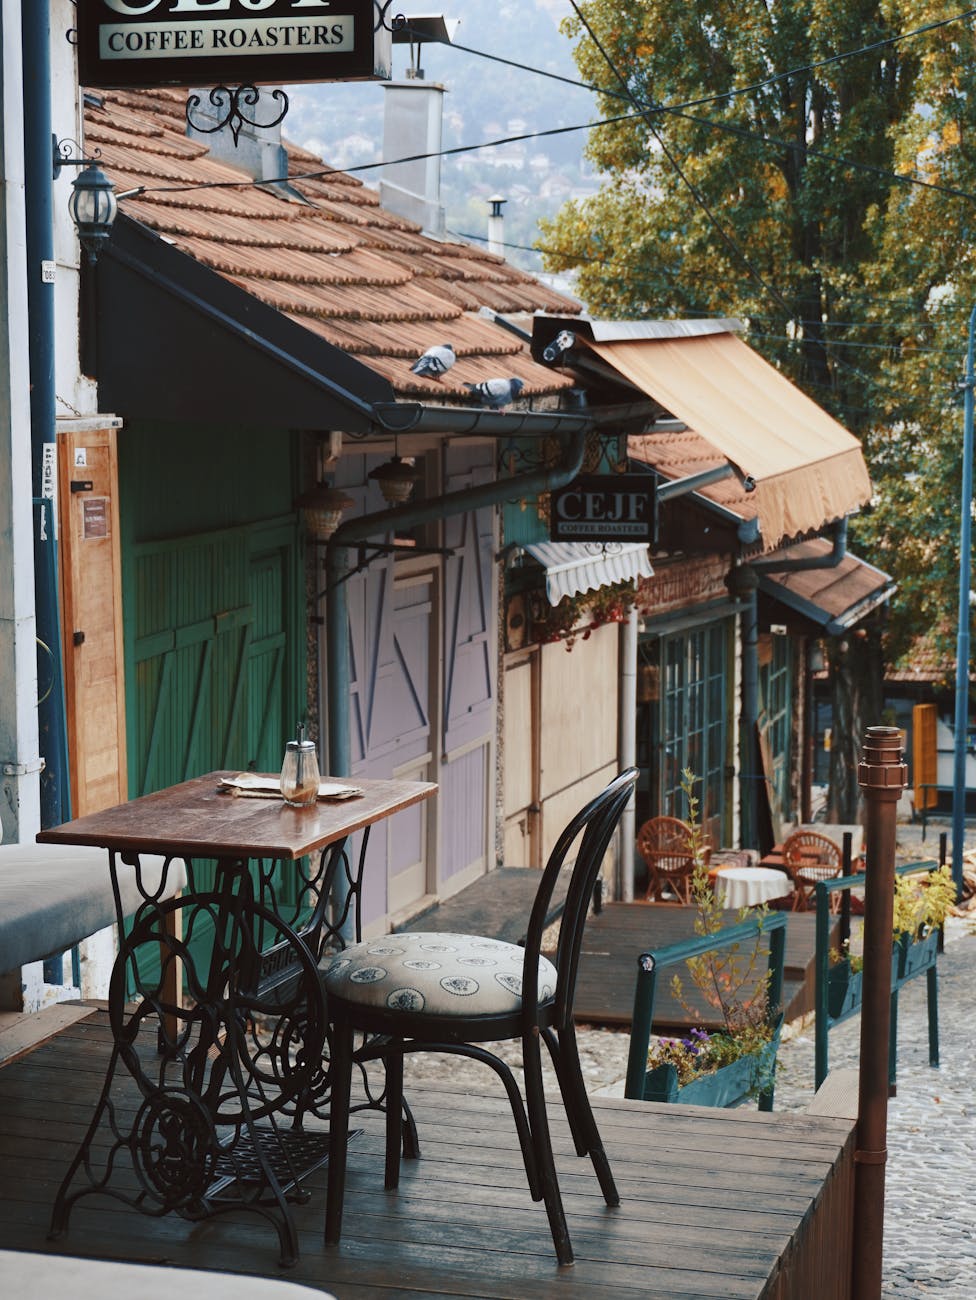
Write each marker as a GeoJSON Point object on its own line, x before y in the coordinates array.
{"type": "Point", "coordinates": [496, 905]}
{"type": "Point", "coordinates": [22, 1032]}
{"type": "Point", "coordinates": [615, 938]}
{"type": "Point", "coordinates": [712, 1202]}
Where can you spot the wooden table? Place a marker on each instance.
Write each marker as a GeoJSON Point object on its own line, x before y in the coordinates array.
{"type": "Point", "coordinates": [237, 1068]}
{"type": "Point", "coordinates": [749, 886]}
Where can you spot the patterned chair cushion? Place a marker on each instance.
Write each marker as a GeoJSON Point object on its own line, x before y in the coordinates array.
{"type": "Point", "coordinates": [438, 974]}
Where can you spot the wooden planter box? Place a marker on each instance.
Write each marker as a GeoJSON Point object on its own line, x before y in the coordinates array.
{"type": "Point", "coordinates": [844, 988]}
{"type": "Point", "coordinates": [915, 956]}
{"type": "Point", "coordinates": [725, 1087]}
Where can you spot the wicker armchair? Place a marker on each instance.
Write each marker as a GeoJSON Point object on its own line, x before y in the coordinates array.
{"type": "Point", "coordinates": [665, 845]}
{"type": "Point", "coordinates": [808, 857]}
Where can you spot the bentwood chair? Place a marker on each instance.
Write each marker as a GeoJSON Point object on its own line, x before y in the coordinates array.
{"type": "Point", "coordinates": [452, 992]}
{"type": "Point", "coordinates": [665, 845]}
{"type": "Point", "coordinates": [808, 857]}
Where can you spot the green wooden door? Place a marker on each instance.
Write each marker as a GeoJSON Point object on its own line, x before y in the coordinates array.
{"type": "Point", "coordinates": [214, 642]}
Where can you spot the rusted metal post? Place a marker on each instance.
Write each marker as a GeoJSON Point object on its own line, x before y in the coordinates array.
{"type": "Point", "coordinates": [882, 775]}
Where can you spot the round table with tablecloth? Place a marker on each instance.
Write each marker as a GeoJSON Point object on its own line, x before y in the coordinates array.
{"type": "Point", "coordinates": [748, 886]}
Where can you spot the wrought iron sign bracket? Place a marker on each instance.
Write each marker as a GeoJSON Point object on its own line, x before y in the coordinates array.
{"type": "Point", "coordinates": [233, 114]}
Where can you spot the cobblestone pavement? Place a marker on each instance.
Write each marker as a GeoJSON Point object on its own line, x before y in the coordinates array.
{"type": "Point", "coordinates": [930, 1202]}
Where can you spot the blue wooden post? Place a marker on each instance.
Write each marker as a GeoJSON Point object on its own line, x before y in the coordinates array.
{"type": "Point", "coordinates": [964, 615]}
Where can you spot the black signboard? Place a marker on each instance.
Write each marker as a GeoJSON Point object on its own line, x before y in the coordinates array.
{"type": "Point", "coordinates": [605, 508]}
{"type": "Point", "coordinates": [146, 43]}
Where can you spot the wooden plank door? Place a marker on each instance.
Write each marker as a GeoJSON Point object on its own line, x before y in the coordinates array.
{"type": "Point", "coordinates": [470, 629]}
{"type": "Point", "coordinates": [391, 617]}
{"type": "Point", "coordinates": [91, 596]}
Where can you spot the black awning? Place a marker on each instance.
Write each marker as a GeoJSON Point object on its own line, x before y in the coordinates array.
{"type": "Point", "coordinates": [176, 341]}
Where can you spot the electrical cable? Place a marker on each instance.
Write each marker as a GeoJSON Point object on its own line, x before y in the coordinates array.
{"type": "Point", "coordinates": [728, 94]}
{"type": "Point", "coordinates": [715, 223]}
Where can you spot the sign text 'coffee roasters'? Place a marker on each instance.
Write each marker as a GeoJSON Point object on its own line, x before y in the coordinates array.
{"type": "Point", "coordinates": [146, 43]}
{"type": "Point", "coordinates": [605, 507]}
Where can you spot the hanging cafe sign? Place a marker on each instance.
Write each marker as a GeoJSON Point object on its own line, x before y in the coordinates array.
{"type": "Point", "coordinates": [604, 508]}
{"type": "Point", "coordinates": [147, 43]}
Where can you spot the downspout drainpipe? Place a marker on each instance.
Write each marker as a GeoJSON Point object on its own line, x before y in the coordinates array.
{"type": "Point", "coordinates": [367, 526]}
{"type": "Point", "coordinates": [628, 754]}
{"type": "Point", "coordinates": [39, 175]}
{"type": "Point", "coordinates": [747, 583]}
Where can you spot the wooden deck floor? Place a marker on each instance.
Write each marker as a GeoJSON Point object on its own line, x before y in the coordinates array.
{"type": "Point", "coordinates": [715, 1204]}
{"type": "Point", "coordinates": [615, 938]}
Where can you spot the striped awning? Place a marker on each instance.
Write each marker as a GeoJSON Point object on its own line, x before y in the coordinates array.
{"type": "Point", "coordinates": [573, 567]}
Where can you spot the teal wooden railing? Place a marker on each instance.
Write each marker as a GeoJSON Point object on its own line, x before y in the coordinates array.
{"type": "Point", "coordinates": [908, 961]}
{"type": "Point", "coordinates": [650, 963]}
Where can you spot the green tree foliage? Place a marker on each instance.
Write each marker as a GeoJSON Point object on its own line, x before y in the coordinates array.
{"type": "Point", "coordinates": [796, 206]}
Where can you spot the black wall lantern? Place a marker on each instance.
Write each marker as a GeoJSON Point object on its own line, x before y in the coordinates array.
{"type": "Point", "coordinates": [93, 205]}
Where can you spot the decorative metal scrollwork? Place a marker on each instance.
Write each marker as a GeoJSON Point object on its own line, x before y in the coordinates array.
{"type": "Point", "coordinates": [382, 9]}
{"type": "Point", "coordinates": [174, 1149]}
{"type": "Point", "coordinates": [233, 114]}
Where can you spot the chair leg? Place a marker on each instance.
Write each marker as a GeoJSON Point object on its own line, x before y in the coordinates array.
{"type": "Point", "coordinates": [341, 1082]}
{"type": "Point", "coordinates": [394, 1118]}
{"type": "Point", "coordinates": [542, 1147]}
{"type": "Point", "coordinates": [580, 1113]}
{"type": "Point", "coordinates": [411, 1139]}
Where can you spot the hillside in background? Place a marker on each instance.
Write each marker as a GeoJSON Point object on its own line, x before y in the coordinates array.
{"type": "Point", "coordinates": [486, 101]}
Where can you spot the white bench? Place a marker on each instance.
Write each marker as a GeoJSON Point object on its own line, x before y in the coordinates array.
{"type": "Point", "coordinates": [25, 1276]}
{"type": "Point", "coordinates": [52, 896]}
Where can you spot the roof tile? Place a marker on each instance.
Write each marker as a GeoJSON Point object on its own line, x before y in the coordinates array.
{"type": "Point", "coordinates": [339, 265]}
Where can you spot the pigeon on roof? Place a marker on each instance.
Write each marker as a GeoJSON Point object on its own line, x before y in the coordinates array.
{"type": "Point", "coordinates": [496, 393]}
{"type": "Point", "coordinates": [435, 361]}
{"type": "Point", "coordinates": [554, 352]}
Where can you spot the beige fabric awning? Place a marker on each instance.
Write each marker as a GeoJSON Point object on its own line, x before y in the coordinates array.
{"type": "Point", "coordinates": [808, 469]}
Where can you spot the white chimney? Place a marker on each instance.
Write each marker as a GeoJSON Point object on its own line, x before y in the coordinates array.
{"type": "Point", "coordinates": [412, 128]}
{"type": "Point", "coordinates": [413, 117]}
{"type": "Point", "coordinates": [496, 225]}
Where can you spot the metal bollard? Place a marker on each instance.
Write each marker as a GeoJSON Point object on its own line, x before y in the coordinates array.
{"type": "Point", "coordinates": [882, 775]}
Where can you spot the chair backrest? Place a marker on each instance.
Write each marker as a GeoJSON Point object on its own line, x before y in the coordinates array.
{"type": "Point", "coordinates": [595, 823]}
{"type": "Point", "coordinates": [812, 856]}
{"type": "Point", "coordinates": [665, 845]}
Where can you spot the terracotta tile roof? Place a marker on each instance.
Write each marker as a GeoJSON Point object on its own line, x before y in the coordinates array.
{"type": "Point", "coordinates": [678, 455]}
{"type": "Point", "coordinates": [324, 252]}
{"type": "Point", "coordinates": [837, 596]}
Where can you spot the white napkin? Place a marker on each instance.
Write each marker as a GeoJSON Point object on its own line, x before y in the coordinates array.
{"type": "Point", "coordinates": [256, 786]}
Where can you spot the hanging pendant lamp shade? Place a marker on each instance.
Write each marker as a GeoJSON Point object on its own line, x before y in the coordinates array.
{"type": "Point", "coordinates": [395, 479]}
{"type": "Point", "coordinates": [322, 508]}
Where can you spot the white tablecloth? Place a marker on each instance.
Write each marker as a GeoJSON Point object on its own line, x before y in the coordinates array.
{"type": "Point", "coordinates": [747, 886]}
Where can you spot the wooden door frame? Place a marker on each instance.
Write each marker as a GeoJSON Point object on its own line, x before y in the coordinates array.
{"type": "Point", "coordinates": [532, 656]}
{"type": "Point", "coordinates": [67, 430]}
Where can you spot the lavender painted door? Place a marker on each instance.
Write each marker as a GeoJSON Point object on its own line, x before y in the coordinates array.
{"type": "Point", "coordinates": [469, 656]}
{"type": "Point", "coordinates": [390, 627]}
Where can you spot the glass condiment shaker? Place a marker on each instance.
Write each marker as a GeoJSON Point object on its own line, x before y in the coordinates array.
{"type": "Point", "coordinates": [300, 772]}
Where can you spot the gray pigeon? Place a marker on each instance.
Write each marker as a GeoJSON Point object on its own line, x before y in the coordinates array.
{"type": "Point", "coordinates": [554, 352]}
{"type": "Point", "coordinates": [435, 361]}
{"type": "Point", "coordinates": [496, 393]}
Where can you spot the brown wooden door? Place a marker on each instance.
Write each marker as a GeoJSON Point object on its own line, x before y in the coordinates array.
{"type": "Point", "coordinates": [91, 596]}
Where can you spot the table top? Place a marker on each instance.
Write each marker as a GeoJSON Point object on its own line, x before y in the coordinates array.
{"type": "Point", "coordinates": [747, 886]}
{"type": "Point", "coordinates": [750, 873]}
{"type": "Point", "coordinates": [196, 819]}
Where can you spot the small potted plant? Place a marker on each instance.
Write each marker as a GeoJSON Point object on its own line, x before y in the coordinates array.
{"type": "Point", "coordinates": [738, 1060]}
{"type": "Point", "coordinates": [921, 904]}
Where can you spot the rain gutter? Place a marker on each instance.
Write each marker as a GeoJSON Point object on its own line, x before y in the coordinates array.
{"type": "Point", "coordinates": [354, 531]}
